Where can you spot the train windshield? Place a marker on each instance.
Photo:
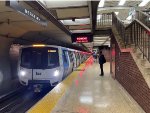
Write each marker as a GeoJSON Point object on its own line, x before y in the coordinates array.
{"type": "Point", "coordinates": [40, 58]}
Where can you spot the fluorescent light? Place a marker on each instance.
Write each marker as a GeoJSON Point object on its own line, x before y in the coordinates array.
{"type": "Point", "coordinates": [38, 45]}
{"type": "Point", "coordinates": [122, 2]}
{"type": "Point", "coordinates": [101, 3]}
{"type": "Point", "coordinates": [76, 22]}
{"type": "Point", "coordinates": [143, 3]}
{"type": "Point", "coordinates": [116, 13]}
{"type": "Point", "coordinates": [129, 17]}
{"type": "Point", "coordinates": [62, 3]}
{"type": "Point", "coordinates": [81, 31]}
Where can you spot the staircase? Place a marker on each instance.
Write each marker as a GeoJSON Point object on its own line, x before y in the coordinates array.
{"type": "Point", "coordinates": [142, 63]}
{"type": "Point", "coordinates": [132, 59]}
{"type": "Point", "coordinates": [143, 17]}
{"type": "Point", "coordinates": [129, 45]}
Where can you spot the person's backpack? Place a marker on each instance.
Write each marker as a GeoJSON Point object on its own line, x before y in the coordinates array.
{"type": "Point", "coordinates": [104, 60]}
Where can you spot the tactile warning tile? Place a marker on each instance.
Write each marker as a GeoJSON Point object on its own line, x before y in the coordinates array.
{"type": "Point", "coordinates": [47, 103]}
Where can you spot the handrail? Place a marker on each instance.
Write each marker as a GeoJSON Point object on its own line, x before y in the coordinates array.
{"type": "Point", "coordinates": [105, 41]}
{"type": "Point", "coordinates": [144, 18]}
{"type": "Point", "coordinates": [139, 34]}
{"type": "Point", "coordinates": [143, 13]}
{"type": "Point", "coordinates": [118, 24]}
{"type": "Point", "coordinates": [104, 20]}
{"type": "Point", "coordinates": [136, 33]}
{"type": "Point", "coordinates": [141, 24]}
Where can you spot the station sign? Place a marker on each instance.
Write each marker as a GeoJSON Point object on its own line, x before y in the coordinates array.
{"type": "Point", "coordinates": [82, 38]}
{"type": "Point", "coordinates": [16, 5]}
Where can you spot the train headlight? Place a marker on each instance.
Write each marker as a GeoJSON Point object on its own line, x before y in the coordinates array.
{"type": "Point", "coordinates": [56, 73]}
{"type": "Point", "coordinates": [22, 73]}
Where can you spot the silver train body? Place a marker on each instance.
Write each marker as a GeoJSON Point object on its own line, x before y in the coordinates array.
{"type": "Point", "coordinates": [47, 64]}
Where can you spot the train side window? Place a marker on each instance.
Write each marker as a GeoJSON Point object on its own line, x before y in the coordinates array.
{"type": "Point", "coordinates": [70, 56]}
{"type": "Point", "coordinates": [26, 58]}
{"type": "Point", "coordinates": [53, 59]}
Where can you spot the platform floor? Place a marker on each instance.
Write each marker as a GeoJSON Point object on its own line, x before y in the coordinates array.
{"type": "Point", "coordinates": [91, 93]}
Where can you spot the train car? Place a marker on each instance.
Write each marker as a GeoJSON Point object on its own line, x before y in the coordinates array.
{"type": "Point", "coordinates": [74, 58]}
{"type": "Point", "coordinates": [46, 64]}
{"type": "Point", "coordinates": [78, 57]}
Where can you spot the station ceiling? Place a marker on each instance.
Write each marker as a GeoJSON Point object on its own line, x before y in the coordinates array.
{"type": "Point", "coordinates": [75, 17]}
{"type": "Point", "coordinates": [122, 11]}
{"type": "Point", "coordinates": [15, 25]}
{"type": "Point", "coordinates": [122, 8]}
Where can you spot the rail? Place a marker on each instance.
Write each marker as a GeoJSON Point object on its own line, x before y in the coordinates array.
{"type": "Point", "coordinates": [104, 19]}
{"type": "Point", "coordinates": [136, 33]}
{"type": "Point", "coordinates": [143, 17]}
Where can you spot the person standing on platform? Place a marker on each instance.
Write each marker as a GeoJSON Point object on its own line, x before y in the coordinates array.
{"type": "Point", "coordinates": [102, 60]}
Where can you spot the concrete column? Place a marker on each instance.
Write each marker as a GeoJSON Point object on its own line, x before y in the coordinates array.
{"type": "Point", "coordinates": [5, 68]}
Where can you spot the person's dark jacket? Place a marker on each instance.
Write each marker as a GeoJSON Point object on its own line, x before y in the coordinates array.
{"type": "Point", "coordinates": [102, 59]}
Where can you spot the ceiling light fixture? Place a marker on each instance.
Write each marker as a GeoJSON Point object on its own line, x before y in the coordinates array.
{"type": "Point", "coordinates": [116, 13]}
{"type": "Point", "coordinates": [129, 17]}
{"type": "Point", "coordinates": [143, 3]}
{"type": "Point", "coordinates": [122, 2]}
{"type": "Point", "coordinates": [101, 3]}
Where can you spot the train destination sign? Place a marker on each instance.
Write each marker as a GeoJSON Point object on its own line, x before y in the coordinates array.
{"type": "Point", "coordinates": [82, 38]}
{"type": "Point", "coordinates": [21, 9]}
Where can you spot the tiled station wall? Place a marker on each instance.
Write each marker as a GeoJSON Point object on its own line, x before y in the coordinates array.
{"type": "Point", "coordinates": [130, 77]}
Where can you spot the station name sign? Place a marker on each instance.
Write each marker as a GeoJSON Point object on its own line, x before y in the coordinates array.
{"type": "Point", "coordinates": [82, 38]}
{"type": "Point", "coordinates": [21, 9]}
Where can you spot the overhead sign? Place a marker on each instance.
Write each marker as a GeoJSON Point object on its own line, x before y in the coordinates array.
{"type": "Point", "coordinates": [82, 38]}
{"type": "Point", "coordinates": [25, 11]}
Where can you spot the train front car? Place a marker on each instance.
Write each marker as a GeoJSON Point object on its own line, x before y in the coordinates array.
{"type": "Point", "coordinates": [40, 65]}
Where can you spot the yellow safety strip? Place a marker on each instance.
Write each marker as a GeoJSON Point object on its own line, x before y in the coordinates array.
{"type": "Point", "coordinates": [47, 103]}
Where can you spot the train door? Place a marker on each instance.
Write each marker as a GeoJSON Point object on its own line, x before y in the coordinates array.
{"type": "Point", "coordinates": [78, 59]}
{"type": "Point", "coordinates": [65, 62]}
{"type": "Point", "coordinates": [38, 71]}
{"type": "Point", "coordinates": [71, 62]}
{"type": "Point", "coordinates": [74, 59]}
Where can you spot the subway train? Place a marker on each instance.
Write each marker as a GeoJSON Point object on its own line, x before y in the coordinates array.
{"type": "Point", "coordinates": [47, 64]}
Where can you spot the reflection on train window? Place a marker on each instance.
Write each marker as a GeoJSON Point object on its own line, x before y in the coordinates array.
{"type": "Point", "coordinates": [26, 59]}
{"type": "Point", "coordinates": [53, 59]}
{"type": "Point", "coordinates": [39, 58]}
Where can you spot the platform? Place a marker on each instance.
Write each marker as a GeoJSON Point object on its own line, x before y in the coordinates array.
{"type": "Point", "coordinates": [87, 92]}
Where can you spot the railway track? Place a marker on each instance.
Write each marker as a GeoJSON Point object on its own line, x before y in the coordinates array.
{"type": "Point", "coordinates": [21, 100]}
